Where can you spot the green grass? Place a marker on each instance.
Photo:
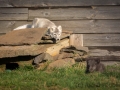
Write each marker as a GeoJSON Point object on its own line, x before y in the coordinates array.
{"type": "Point", "coordinates": [72, 78]}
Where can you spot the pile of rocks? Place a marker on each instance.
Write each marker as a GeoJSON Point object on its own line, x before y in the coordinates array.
{"type": "Point", "coordinates": [66, 57]}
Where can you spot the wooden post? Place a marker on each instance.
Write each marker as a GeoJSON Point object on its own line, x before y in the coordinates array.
{"type": "Point", "coordinates": [76, 40]}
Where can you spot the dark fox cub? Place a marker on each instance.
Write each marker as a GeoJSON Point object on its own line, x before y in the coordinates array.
{"type": "Point", "coordinates": [93, 64]}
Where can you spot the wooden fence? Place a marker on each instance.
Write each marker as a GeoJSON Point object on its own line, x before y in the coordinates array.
{"type": "Point", "coordinates": [98, 21]}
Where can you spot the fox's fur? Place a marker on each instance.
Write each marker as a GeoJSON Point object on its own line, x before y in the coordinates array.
{"type": "Point", "coordinates": [23, 27]}
{"type": "Point", "coordinates": [53, 30]}
{"type": "Point", "coordinates": [94, 64]}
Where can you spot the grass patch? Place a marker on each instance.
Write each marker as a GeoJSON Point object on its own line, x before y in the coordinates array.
{"type": "Point", "coordinates": [72, 78]}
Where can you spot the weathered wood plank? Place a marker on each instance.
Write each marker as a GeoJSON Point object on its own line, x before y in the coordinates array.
{"type": "Point", "coordinates": [91, 26]}
{"type": "Point", "coordinates": [6, 26]}
{"type": "Point", "coordinates": [108, 58]}
{"type": "Point", "coordinates": [76, 40]}
{"type": "Point", "coordinates": [97, 12]}
{"type": "Point", "coordinates": [105, 53]}
{"type": "Point", "coordinates": [77, 26]}
{"type": "Point", "coordinates": [5, 3]}
{"type": "Point", "coordinates": [49, 3]}
{"type": "Point", "coordinates": [13, 13]}
{"type": "Point", "coordinates": [106, 12]}
{"type": "Point", "coordinates": [62, 13]}
{"type": "Point", "coordinates": [101, 39]}
{"type": "Point", "coordinates": [94, 12]}
{"type": "Point", "coordinates": [95, 39]}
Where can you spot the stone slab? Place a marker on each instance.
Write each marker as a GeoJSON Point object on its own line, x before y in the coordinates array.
{"type": "Point", "coordinates": [22, 37]}
{"type": "Point", "coordinates": [32, 50]}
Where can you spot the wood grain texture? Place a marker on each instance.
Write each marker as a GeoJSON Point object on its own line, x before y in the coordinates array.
{"type": "Point", "coordinates": [80, 27]}
{"type": "Point", "coordinates": [13, 13]}
{"type": "Point", "coordinates": [106, 12]}
{"type": "Point", "coordinates": [108, 58]}
{"type": "Point", "coordinates": [95, 40]}
{"type": "Point", "coordinates": [76, 40]}
{"type": "Point", "coordinates": [91, 26]}
{"type": "Point", "coordinates": [105, 53]}
{"type": "Point", "coordinates": [62, 13]}
{"type": "Point", "coordinates": [5, 3]}
{"type": "Point", "coordinates": [6, 26]}
{"type": "Point", "coordinates": [50, 3]}
{"type": "Point", "coordinates": [101, 40]}
{"type": "Point", "coordinates": [94, 12]}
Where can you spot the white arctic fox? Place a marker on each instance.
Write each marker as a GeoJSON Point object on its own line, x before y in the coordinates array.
{"type": "Point", "coordinates": [23, 27]}
{"type": "Point", "coordinates": [53, 30]}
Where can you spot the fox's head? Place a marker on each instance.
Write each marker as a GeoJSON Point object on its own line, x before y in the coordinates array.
{"type": "Point", "coordinates": [55, 32]}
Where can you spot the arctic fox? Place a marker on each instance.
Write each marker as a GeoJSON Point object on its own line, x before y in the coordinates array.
{"type": "Point", "coordinates": [23, 27]}
{"type": "Point", "coordinates": [53, 30]}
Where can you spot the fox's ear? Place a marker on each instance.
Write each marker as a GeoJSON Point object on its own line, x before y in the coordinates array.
{"type": "Point", "coordinates": [60, 28]}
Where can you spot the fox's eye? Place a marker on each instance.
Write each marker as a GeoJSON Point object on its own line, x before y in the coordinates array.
{"type": "Point", "coordinates": [54, 34]}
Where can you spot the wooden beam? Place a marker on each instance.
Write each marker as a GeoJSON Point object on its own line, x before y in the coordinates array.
{"type": "Point", "coordinates": [91, 26]}
{"type": "Point", "coordinates": [108, 58]}
{"type": "Point", "coordinates": [76, 40]}
{"type": "Point", "coordinates": [77, 26]}
{"type": "Point", "coordinates": [55, 3]}
{"type": "Point", "coordinates": [6, 26]}
{"type": "Point", "coordinates": [13, 13]}
{"type": "Point", "coordinates": [62, 13]}
{"type": "Point", "coordinates": [101, 40]}
{"type": "Point", "coordinates": [5, 3]}
{"type": "Point", "coordinates": [106, 12]}
{"type": "Point", "coordinates": [105, 53]}
{"type": "Point", "coordinates": [94, 12]}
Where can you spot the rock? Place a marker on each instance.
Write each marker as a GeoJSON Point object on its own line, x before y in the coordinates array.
{"type": "Point", "coordinates": [41, 66]}
{"type": "Point", "coordinates": [23, 37]}
{"type": "Point", "coordinates": [69, 60]}
{"type": "Point", "coordinates": [72, 52]}
{"type": "Point", "coordinates": [25, 50]}
{"type": "Point", "coordinates": [62, 63]}
{"type": "Point", "coordinates": [41, 58]}
{"type": "Point", "coordinates": [85, 49]}
{"type": "Point", "coordinates": [32, 50]}
{"type": "Point", "coordinates": [78, 59]}
{"type": "Point", "coordinates": [74, 49]}
{"type": "Point", "coordinates": [55, 48]}
{"type": "Point", "coordinates": [65, 55]}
